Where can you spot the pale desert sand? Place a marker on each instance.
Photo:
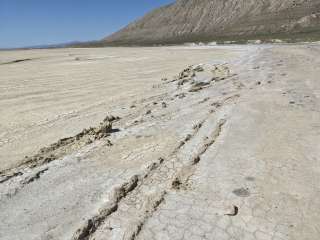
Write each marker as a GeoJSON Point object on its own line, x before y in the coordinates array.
{"type": "Point", "coordinates": [205, 143]}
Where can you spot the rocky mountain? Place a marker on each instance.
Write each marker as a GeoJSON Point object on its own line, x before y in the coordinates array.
{"type": "Point", "coordinates": [212, 20]}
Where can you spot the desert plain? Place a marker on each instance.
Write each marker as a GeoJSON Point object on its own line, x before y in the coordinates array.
{"type": "Point", "coordinates": [180, 142]}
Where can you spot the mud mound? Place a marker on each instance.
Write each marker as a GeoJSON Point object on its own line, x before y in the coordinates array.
{"type": "Point", "coordinates": [196, 77]}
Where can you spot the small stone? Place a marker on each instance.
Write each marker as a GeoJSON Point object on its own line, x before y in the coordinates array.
{"type": "Point", "coordinates": [251, 179]}
{"type": "Point", "coordinates": [241, 192]}
{"type": "Point", "coordinates": [176, 183]}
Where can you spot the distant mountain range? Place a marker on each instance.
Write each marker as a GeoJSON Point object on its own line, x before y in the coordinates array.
{"type": "Point", "coordinates": [215, 20]}
{"type": "Point", "coordinates": [186, 21]}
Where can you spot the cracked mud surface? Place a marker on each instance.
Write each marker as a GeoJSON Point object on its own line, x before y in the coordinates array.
{"type": "Point", "coordinates": [211, 143]}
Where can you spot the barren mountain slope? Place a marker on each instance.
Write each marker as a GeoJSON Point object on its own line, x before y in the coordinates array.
{"type": "Point", "coordinates": [205, 20]}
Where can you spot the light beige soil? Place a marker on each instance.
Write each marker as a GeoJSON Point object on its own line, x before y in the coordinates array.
{"type": "Point", "coordinates": [59, 92]}
{"type": "Point", "coordinates": [227, 148]}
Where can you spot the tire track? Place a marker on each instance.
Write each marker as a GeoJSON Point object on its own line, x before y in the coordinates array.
{"type": "Point", "coordinates": [148, 213]}
{"type": "Point", "coordinates": [119, 193]}
{"type": "Point", "coordinates": [158, 183]}
{"type": "Point", "coordinates": [91, 225]}
{"type": "Point", "coordinates": [151, 192]}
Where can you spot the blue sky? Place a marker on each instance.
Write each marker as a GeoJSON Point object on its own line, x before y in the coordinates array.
{"type": "Point", "coordinates": [36, 22]}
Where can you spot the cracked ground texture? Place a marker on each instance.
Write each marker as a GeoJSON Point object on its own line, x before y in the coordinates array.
{"type": "Point", "coordinates": [211, 143]}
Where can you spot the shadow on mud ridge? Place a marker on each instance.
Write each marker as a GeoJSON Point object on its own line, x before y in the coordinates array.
{"type": "Point", "coordinates": [115, 130]}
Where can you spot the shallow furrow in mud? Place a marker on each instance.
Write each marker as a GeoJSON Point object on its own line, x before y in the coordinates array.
{"type": "Point", "coordinates": [92, 224]}
{"type": "Point", "coordinates": [118, 194]}
{"type": "Point", "coordinates": [151, 192]}
{"type": "Point", "coordinates": [176, 181]}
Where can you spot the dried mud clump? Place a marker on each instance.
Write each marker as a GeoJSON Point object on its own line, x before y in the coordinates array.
{"type": "Point", "coordinates": [191, 71]}
{"type": "Point", "coordinates": [198, 86]}
{"type": "Point", "coordinates": [220, 72]}
{"type": "Point", "coordinates": [111, 118]}
{"type": "Point", "coordinates": [185, 75]}
{"type": "Point", "coordinates": [197, 77]}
